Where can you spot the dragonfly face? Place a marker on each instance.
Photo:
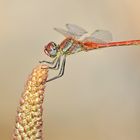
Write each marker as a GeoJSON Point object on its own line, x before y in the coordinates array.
{"type": "Point", "coordinates": [51, 49]}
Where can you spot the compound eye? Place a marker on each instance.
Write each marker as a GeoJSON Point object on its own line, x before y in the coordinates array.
{"type": "Point", "coordinates": [47, 49]}
{"type": "Point", "coordinates": [53, 52]}
{"type": "Point", "coordinates": [51, 49]}
{"type": "Point", "coordinates": [46, 52]}
{"type": "Point", "coordinates": [54, 46]}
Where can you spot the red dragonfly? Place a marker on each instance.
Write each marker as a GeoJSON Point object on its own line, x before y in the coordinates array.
{"type": "Point", "coordinates": [75, 42]}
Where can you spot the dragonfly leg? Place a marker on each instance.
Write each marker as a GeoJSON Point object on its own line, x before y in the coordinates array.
{"type": "Point", "coordinates": [61, 72]}
{"type": "Point", "coordinates": [49, 62]}
{"type": "Point", "coordinates": [57, 64]}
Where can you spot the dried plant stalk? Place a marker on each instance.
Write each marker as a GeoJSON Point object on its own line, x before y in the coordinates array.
{"type": "Point", "coordinates": [29, 114]}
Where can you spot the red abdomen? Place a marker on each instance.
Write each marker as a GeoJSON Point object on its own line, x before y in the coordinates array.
{"type": "Point", "coordinates": [93, 45]}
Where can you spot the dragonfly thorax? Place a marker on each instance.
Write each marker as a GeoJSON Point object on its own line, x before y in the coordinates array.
{"type": "Point", "coordinates": [71, 46]}
{"type": "Point", "coordinates": [51, 49]}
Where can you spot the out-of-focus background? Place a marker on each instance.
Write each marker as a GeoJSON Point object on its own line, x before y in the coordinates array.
{"type": "Point", "coordinates": [99, 96]}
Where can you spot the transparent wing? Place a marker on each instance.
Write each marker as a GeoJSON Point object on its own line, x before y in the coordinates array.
{"type": "Point", "coordinates": [99, 36]}
{"type": "Point", "coordinates": [64, 32]}
{"type": "Point", "coordinates": [76, 30]}
{"type": "Point", "coordinates": [103, 35]}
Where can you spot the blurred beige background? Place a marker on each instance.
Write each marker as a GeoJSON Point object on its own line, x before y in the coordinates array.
{"type": "Point", "coordinates": [99, 96]}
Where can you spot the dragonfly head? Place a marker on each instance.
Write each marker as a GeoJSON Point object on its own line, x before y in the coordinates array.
{"type": "Point", "coordinates": [51, 49]}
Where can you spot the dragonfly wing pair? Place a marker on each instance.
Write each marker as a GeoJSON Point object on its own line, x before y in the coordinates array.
{"type": "Point", "coordinates": [72, 31]}
{"type": "Point", "coordinates": [98, 36]}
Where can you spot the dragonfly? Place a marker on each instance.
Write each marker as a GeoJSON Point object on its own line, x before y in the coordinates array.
{"type": "Point", "coordinates": [77, 40]}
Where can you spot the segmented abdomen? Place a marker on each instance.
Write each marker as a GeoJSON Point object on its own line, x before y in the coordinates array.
{"type": "Point", "coordinates": [93, 45]}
